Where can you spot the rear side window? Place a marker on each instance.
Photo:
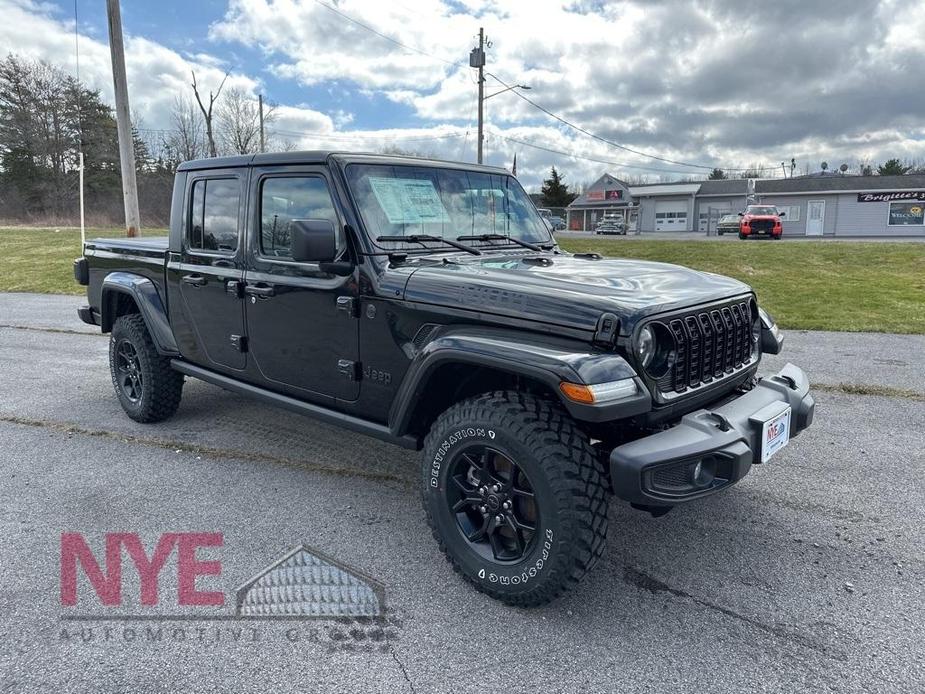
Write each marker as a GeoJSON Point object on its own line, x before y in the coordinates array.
{"type": "Point", "coordinates": [285, 199]}
{"type": "Point", "coordinates": [214, 215]}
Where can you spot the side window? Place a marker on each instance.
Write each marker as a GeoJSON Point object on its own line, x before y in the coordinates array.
{"type": "Point", "coordinates": [214, 215]}
{"type": "Point", "coordinates": [284, 199]}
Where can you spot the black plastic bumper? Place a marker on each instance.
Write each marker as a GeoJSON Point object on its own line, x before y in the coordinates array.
{"type": "Point", "coordinates": [88, 315]}
{"type": "Point", "coordinates": [662, 469]}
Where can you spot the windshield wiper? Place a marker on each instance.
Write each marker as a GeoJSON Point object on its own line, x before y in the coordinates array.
{"type": "Point", "coordinates": [423, 238]}
{"type": "Point", "coordinates": [501, 237]}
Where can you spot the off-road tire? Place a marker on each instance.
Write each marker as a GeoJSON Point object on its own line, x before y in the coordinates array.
{"type": "Point", "coordinates": [567, 478]}
{"type": "Point", "coordinates": [161, 387]}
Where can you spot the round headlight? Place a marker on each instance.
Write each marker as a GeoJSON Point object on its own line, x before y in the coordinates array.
{"type": "Point", "coordinates": [645, 346]}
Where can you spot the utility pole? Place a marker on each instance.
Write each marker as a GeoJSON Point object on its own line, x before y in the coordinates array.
{"type": "Point", "coordinates": [123, 120]}
{"type": "Point", "coordinates": [477, 59]}
{"type": "Point", "coordinates": [262, 141]}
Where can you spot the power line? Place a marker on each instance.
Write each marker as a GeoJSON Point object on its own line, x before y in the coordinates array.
{"type": "Point", "coordinates": [385, 36]}
{"type": "Point", "coordinates": [617, 144]}
{"type": "Point", "coordinates": [624, 165]}
{"type": "Point", "coordinates": [538, 106]}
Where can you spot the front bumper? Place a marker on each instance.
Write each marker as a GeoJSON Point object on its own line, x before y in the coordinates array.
{"type": "Point", "coordinates": [659, 470]}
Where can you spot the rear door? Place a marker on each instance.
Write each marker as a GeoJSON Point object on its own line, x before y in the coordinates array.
{"type": "Point", "coordinates": [302, 325]}
{"type": "Point", "coordinates": [210, 271]}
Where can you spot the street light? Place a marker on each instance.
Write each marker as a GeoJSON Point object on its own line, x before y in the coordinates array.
{"type": "Point", "coordinates": [516, 86]}
{"type": "Point", "coordinates": [481, 113]}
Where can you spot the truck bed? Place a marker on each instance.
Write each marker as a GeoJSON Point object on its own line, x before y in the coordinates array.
{"type": "Point", "coordinates": [149, 245]}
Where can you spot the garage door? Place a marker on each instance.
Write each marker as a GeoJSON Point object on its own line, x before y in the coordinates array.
{"type": "Point", "coordinates": [671, 215]}
{"type": "Point", "coordinates": [710, 215]}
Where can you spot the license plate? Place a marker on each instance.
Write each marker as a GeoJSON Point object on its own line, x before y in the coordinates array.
{"type": "Point", "coordinates": [775, 434]}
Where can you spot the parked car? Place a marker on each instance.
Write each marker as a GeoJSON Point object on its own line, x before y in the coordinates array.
{"type": "Point", "coordinates": [760, 220]}
{"type": "Point", "coordinates": [728, 224]}
{"type": "Point", "coordinates": [610, 226]}
{"type": "Point", "coordinates": [385, 295]}
{"type": "Point", "coordinates": [557, 222]}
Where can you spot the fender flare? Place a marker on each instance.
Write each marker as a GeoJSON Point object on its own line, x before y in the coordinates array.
{"type": "Point", "coordinates": [144, 293]}
{"type": "Point", "coordinates": [545, 362]}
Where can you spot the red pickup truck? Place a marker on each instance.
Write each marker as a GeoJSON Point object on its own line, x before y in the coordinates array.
{"type": "Point", "coordinates": [760, 220]}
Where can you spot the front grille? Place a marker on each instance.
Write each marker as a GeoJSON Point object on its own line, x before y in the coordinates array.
{"type": "Point", "coordinates": [762, 226]}
{"type": "Point", "coordinates": [708, 345]}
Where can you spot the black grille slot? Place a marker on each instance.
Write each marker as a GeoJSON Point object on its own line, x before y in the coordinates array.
{"type": "Point", "coordinates": [673, 478]}
{"type": "Point", "coordinates": [708, 345]}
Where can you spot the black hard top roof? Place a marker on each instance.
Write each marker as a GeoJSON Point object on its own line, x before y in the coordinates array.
{"type": "Point", "coordinates": [321, 156]}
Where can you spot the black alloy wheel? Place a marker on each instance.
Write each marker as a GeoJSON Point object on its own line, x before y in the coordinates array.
{"type": "Point", "coordinates": [494, 504]}
{"type": "Point", "coordinates": [128, 368]}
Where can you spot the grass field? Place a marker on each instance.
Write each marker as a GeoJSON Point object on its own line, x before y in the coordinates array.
{"type": "Point", "coordinates": [878, 287]}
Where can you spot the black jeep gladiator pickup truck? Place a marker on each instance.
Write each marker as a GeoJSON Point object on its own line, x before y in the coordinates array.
{"type": "Point", "coordinates": [426, 303]}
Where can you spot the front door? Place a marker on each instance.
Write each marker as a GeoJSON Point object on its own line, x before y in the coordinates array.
{"type": "Point", "coordinates": [815, 217]}
{"type": "Point", "coordinates": [210, 270]}
{"type": "Point", "coordinates": [302, 327]}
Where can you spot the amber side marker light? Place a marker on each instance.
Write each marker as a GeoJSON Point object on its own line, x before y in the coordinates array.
{"type": "Point", "coordinates": [600, 392]}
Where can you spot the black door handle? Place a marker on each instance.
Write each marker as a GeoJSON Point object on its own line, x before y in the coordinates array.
{"type": "Point", "coordinates": [195, 280]}
{"type": "Point", "coordinates": [260, 291]}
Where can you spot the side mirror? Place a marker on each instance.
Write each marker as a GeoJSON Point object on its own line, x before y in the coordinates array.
{"type": "Point", "coordinates": [313, 241]}
{"type": "Point", "coordinates": [741, 214]}
{"type": "Point", "coordinates": [781, 214]}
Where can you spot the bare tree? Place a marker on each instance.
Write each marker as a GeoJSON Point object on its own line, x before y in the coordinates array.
{"type": "Point", "coordinates": [238, 122]}
{"type": "Point", "coordinates": [187, 139]}
{"type": "Point", "coordinates": [207, 112]}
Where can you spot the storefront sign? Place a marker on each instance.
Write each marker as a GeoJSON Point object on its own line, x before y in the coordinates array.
{"type": "Point", "coordinates": [895, 195]}
{"type": "Point", "coordinates": [906, 213]}
{"type": "Point", "coordinates": [595, 195]}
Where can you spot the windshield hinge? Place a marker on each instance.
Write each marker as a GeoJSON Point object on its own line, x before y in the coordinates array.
{"type": "Point", "coordinates": [608, 325]}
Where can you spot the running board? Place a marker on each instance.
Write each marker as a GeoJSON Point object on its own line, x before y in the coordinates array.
{"type": "Point", "coordinates": [346, 421]}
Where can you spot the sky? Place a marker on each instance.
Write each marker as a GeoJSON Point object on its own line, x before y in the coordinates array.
{"type": "Point", "coordinates": [662, 89]}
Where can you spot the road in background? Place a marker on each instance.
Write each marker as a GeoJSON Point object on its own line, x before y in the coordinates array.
{"type": "Point", "coordinates": [807, 576]}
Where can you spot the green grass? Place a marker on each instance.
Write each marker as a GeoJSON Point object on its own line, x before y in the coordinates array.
{"type": "Point", "coordinates": [877, 287]}
{"type": "Point", "coordinates": [40, 260]}
{"type": "Point", "coordinates": [807, 285]}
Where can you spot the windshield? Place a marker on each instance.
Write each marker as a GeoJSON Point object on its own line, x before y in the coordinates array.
{"type": "Point", "coordinates": [408, 200]}
{"type": "Point", "coordinates": [759, 209]}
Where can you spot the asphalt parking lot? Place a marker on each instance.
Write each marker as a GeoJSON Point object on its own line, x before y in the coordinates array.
{"type": "Point", "coordinates": [808, 576]}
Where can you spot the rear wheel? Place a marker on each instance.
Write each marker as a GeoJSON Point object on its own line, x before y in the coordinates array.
{"type": "Point", "coordinates": [515, 496]}
{"type": "Point", "coordinates": [147, 388]}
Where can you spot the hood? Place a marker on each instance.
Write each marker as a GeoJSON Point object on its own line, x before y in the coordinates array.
{"type": "Point", "coordinates": [566, 290]}
{"type": "Point", "coordinates": [761, 216]}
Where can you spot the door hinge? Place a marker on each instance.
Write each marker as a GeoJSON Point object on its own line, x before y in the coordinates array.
{"type": "Point", "coordinates": [349, 369]}
{"type": "Point", "coordinates": [239, 342]}
{"type": "Point", "coordinates": [348, 305]}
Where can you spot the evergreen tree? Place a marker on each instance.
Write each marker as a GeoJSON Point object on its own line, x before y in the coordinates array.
{"type": "Point", "coordinates": [555, 191]}
{"type": "Point", "coordinates": [893, 167]}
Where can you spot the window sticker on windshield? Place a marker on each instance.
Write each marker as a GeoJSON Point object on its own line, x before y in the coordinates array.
{"type": "Point", "coordinates": [408, 200]}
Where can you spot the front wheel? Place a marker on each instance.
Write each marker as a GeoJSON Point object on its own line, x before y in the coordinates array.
{"type": "Point", "coordinates": [742, 236]}
{"type": "Point", "coordinates": [515, 496]}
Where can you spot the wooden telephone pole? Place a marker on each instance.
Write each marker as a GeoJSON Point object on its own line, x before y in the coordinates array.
{"type": "Point", "coordinates": [123, 120]}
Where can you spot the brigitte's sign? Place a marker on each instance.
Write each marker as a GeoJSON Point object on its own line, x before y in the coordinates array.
{"type": "Point", "coordinates": [890, 196]}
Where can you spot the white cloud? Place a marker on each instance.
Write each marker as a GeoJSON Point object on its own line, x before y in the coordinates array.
{"type": "Point", "coordinates": [711, 82]}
